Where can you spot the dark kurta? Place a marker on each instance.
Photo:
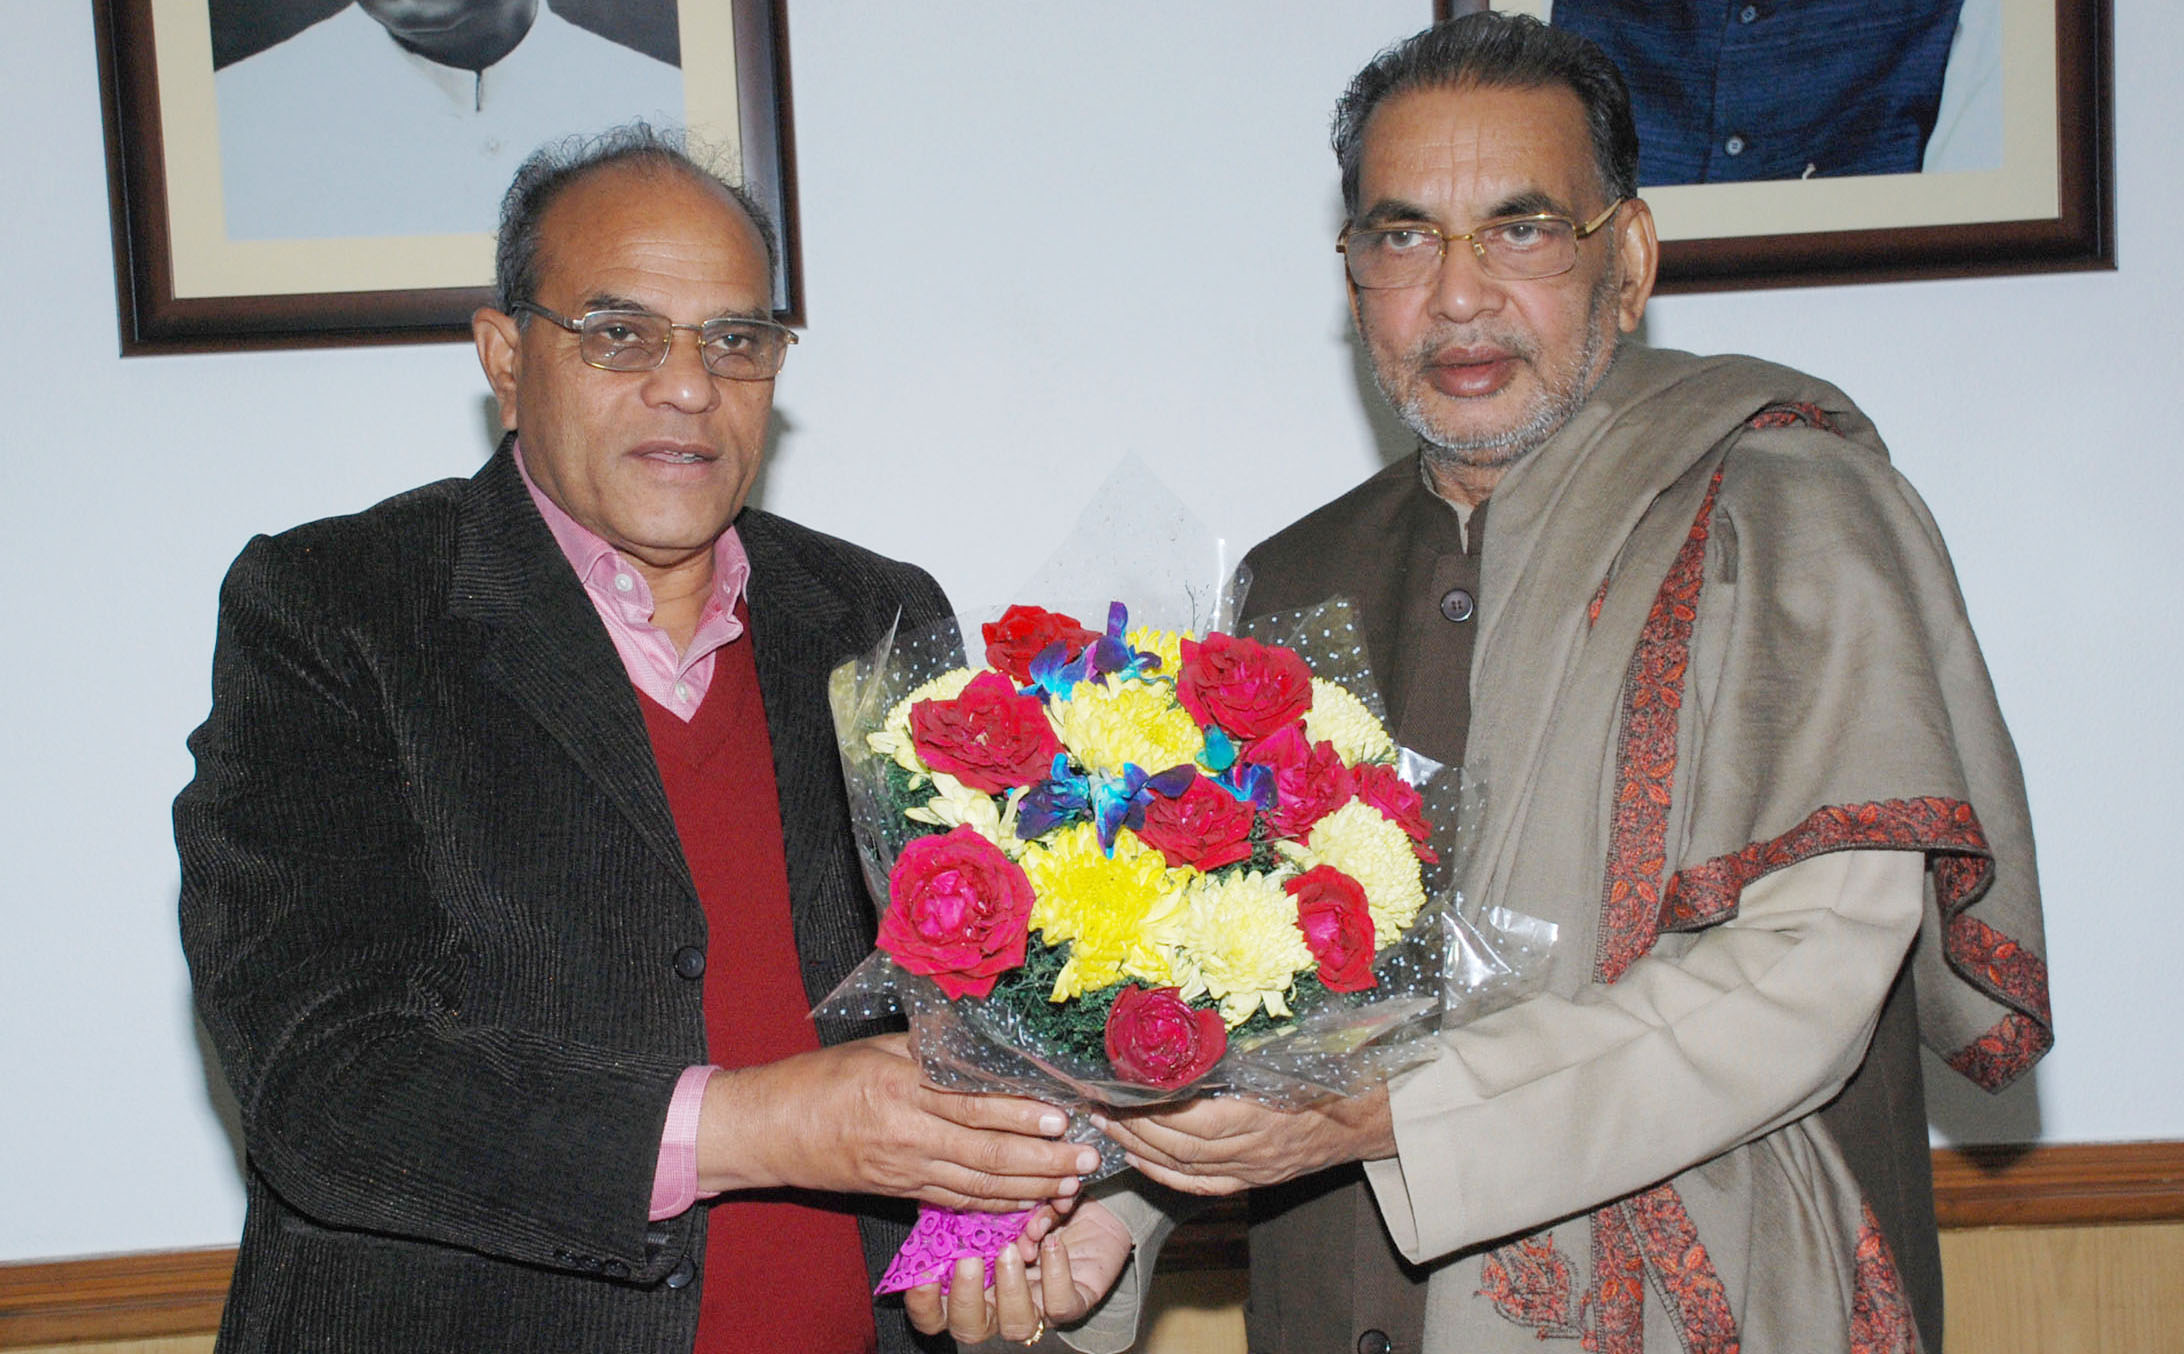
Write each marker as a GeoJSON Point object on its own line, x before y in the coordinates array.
{"type": "Point", "coordinates": [1324, 1274]}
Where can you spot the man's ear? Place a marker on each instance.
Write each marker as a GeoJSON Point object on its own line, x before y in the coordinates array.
{"type": "Point", "coordinates": [500, 352]}
{"type": "Point", "coordinates": [1637, 257]}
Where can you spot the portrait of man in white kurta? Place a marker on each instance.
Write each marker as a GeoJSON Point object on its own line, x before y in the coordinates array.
{"type": "Point", "coordinates": [406, 117]}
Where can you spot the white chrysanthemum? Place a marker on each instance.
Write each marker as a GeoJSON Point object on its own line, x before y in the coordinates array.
{"type": "Point", "coordinates": [955, 804]}
{"type": "Point", "coordinates": [1108, 725]}
{"type": "Point", "coordinates": [1358, 840]}
{"type": "Point", "coordinates": [1340, 718]}
{"type": "Point", "coordinates": [1236, 940]}
{"type": "Point", "coordinates": [892, 738]}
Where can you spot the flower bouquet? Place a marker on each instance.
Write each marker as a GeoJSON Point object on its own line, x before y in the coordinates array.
{"type": "Point", "coordinates": [1128, 865]}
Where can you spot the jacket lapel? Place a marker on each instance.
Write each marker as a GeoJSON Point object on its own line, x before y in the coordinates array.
{"type": "Point", "coordinates": [801, 628]}
{"type": "Point", "coordinates": [550, 653]}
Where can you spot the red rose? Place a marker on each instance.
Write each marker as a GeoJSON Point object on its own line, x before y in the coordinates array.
{"type": "Point", "coordinates": [957, 912]}
{"type": "Point", "coordinates": [1154, 1039]}
{"type": "Point", "coordinates": [1310, 780]}
{"type": "Point", "coordinates": [1248, 688]}
{"type": "Point", "coordinates": [1379, 787]}
{"type": "Point", "coordinates": [1205, 826]}
{"type": "Point", "coordinates": [992, 738]}
{"type": "Point", "coordinates": [1337, 925]}
{"type": "Point", "coordinates": [1023, 632]}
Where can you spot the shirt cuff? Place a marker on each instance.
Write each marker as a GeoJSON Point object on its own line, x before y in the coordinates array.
{"type": "Point", "coordinates": [675, 1181]}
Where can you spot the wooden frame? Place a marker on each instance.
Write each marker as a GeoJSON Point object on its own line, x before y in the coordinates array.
{"type": "Point", "coordinates": [161, 131]}
{"type": "Point", "coordinates": [2049, 208]}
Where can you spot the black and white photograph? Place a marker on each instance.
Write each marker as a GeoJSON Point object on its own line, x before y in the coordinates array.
{"type": "Point", "coordinates": [405, 117]}
{"type": "Point", "coordinates": [301, 172]}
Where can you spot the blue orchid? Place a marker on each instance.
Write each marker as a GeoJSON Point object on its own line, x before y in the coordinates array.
{"type": "Point", "coordinates": [1064, 797]}
{"type": "Point", "coordinates": [1110, 803]}
{"type": "Point", "coordinates": [1220, 753]}
{"type": "Point", "coordinates": [1054, 674]}
{"type": "Point", "coordinates": [1249, 782]}
{"type": "Point", "coordinates": [1121, 803]}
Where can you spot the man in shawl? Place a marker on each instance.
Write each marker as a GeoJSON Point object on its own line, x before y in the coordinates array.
{"type": "Point", "coordinates": [1705, 652]}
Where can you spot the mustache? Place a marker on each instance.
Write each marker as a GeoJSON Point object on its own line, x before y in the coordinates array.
{"type": "Point", "coordinates": [1429, 346]}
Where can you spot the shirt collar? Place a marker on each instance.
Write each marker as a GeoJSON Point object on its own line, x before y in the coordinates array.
{"type": "Point", "coordinates": [602, 570]}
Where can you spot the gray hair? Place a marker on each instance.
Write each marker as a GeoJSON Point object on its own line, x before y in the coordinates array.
{"type": "Point", "coordinates": [1505, 51]}
{"type": "Point", "coordinates": [553, 168]}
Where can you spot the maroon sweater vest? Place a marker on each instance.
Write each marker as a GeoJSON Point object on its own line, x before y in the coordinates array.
{"type": "Point", "coordinates": [780, 1273]}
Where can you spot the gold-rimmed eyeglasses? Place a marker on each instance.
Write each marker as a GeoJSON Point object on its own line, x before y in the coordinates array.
{"type": "Point", "coordinates": [1510, 248]}
{"type": "Point", "coordinates": [638, 340]}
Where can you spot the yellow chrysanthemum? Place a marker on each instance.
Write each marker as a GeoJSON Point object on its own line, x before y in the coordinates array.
{"type": "Point", "coordinates": [1127, 721]}
{"type": "Point", "coordinates": [955, 804]}
{"type": "Point", "coordinates": [892, 738]}
{"type": "Point", "coordinates": [1358, 840]}
{"type": "Point", "coordinates": [1109, 909]}
{"type": "Point", "coordinates": [1167, 643]}
{"type": "Point", "coordinates": [1340, 718]}
{"type": "Point", "coordinates": [1236, 940]}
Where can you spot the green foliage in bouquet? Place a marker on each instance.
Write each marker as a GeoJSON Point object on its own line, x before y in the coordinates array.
{"type": "Point", "coordinates": [1073, 1030]}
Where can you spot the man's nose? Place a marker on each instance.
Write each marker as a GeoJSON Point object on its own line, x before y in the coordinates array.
{"type": "Point", "coordinates": [682, 381]}
{"type": "Point", "coordinates": [1461, 288]}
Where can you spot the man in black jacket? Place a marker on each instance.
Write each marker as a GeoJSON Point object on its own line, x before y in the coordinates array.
{"type": "Point", "coordinates": [446, 924]}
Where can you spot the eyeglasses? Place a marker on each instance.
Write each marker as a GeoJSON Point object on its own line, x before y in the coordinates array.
{"type": "Point", "coordinates": [1511, 248]}
{"type": "Point", "coordinates": [638, 340]}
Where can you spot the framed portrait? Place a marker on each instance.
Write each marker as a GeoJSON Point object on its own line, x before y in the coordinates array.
{"type": "Point", "coordinates": [1789, 142]}
{"type": "Point", "coordinates": [296, 173]}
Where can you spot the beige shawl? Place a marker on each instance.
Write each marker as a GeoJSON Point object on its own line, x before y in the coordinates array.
{"type": "Point", "coordinates": [1723, 661]}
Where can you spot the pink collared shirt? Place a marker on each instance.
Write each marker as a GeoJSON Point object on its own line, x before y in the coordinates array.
{"type": "Point", "coordinates": [623, 598]}
{"type": "Point", "coordinates": [678, 681]}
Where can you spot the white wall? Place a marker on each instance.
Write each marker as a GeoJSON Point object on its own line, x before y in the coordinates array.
{"type": "Point", "coordinates": [1036, 237]}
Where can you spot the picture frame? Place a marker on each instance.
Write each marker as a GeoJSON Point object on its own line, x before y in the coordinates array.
{"type": "Point", "coordinates": [2048, 206]}
{"type": "Point", "coordinates": [182, 285]}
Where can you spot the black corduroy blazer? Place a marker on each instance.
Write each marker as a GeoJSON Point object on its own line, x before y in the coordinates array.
{"type": "Point", "coordinates": [432, 895]}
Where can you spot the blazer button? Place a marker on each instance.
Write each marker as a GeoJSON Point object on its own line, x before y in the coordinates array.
{"type": "Point", "coordinates": [1457, 605]}
{"type": "Point", "coordinates": [615, 1269]}
{"type": "Point", "coordinates": [1374, 1342]}
{"type": "Point", "coordinates": [690, 962]}
{"type": "Point", "coordinates": [681, 1275]}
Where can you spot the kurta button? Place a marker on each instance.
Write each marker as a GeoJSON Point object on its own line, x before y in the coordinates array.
{"type": "Point", "coordinates": [681, 1275]}
{"type": "Point", "coordinates": [1457, 605]}
{"type": "Point", "coordinates": [1374, 1342]}
{"type": "Point", "coordinates": [690, 962]}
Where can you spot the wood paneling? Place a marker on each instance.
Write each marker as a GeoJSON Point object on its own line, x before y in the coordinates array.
{"type": "Point", "coordinates": [172, 1344]}
{"type": "Point", "coordinates": [1195, 1312]}
{"type": "Point", "coordinates": [2063, 1208]}
{"type": "Point", "coordinates": [2065, 1290]}
{"type": "Point", "coordinates": [2071, 1183]}
{"type": "Point", "coordinates": [116, 1297]}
